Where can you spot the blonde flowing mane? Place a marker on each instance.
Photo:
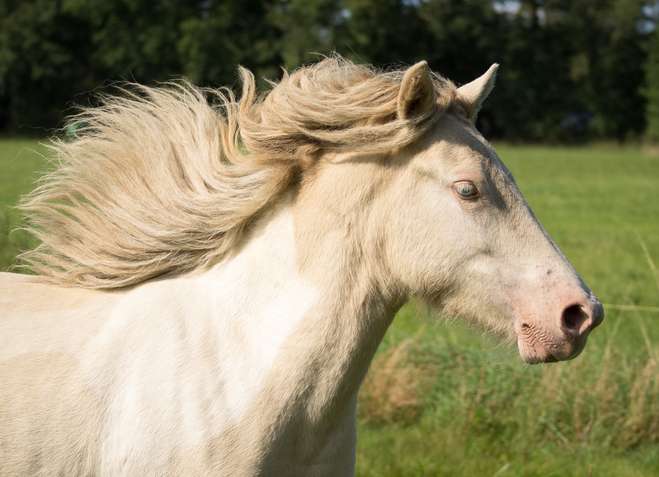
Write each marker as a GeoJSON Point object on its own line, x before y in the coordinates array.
{"type": "Point", "coordinates": [166, 179]}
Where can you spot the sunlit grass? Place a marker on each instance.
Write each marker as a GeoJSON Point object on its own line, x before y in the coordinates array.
{"type": "Point", "coordinates": [20, 164]}
{"type": "Point", "coordinates": [468, 407]}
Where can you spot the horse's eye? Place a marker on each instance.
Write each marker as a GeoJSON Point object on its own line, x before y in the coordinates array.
{"type": "Point", "coordinates": [466, 190]}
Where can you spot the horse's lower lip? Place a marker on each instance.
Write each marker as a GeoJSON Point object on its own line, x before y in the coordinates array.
{"type": "Point", "coordinates": [549, 356]}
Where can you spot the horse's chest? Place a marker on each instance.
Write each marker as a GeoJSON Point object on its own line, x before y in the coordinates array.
{"type": "Point", "coordinates": [178, 383]}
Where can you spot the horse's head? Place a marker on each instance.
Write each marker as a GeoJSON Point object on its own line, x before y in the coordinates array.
{"type": "Point", "coordinates": [458, 233]}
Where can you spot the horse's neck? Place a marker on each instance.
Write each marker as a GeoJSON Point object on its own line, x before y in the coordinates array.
{"type": "Point", "coordinates": [319, 316]}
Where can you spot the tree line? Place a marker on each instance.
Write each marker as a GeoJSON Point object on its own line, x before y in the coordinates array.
{"type": "Point", "coordinates": [570, 69]}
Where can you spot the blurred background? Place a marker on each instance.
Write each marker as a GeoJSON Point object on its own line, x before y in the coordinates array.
{"type": "Point", "coordinates": [575, 117]}
{"type": "Point", "coordinates": [571, 70]}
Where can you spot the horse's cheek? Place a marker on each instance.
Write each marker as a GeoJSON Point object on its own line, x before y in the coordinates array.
{"type": "Point", "coordinates": [431, 245]}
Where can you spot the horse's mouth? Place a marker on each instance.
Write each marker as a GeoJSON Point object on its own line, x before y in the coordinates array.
{"type": "Point", "coordinates": [531, 348]}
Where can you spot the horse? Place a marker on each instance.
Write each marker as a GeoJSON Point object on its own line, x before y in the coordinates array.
{"type": "Point", "coordinates": [216, 270]}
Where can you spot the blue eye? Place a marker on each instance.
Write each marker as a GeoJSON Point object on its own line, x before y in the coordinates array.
{"type": "Point", "coordinates": [466, 190]}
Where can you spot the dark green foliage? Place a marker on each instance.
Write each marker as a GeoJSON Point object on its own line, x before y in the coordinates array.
{"type": "Point", "coordinates": [652, 90]}
{"type": "Point", "coordinates": [570, 70]}
{"type": "Point", "coordinates": [43, 63]}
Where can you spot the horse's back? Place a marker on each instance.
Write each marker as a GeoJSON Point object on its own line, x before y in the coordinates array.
{"type": "Point", "coordinates": [48, 415]}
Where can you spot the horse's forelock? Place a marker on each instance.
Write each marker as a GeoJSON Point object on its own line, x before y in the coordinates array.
{"type": "Point", "coordinates": [338, 106]}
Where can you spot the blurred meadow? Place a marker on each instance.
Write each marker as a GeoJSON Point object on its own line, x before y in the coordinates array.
{"type": "Point", "coordinates": [21, 162]}
{"type": "Point", "coordinates": [444, 400]}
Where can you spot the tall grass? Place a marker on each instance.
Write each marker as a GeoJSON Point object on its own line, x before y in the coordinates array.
{"type": "Point", "coordinates": [446, 397]}
{"type": "Point", "coordinates": [604, 401]}
{"type": "Point", "coordinates": [574, 403]}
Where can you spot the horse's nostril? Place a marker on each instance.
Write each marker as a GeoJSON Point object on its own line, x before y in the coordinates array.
{"type": "Point", "coordinates": [573, 320]}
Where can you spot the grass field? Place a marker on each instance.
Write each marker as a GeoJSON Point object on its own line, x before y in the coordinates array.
{"type": "Point", "coordinates": [443, 400]}
{"type": "Point", "coordinates": [20, 163]}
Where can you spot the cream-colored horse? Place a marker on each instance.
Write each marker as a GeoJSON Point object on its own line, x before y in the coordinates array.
{"type": "Point", "coordinates": [215, 280]}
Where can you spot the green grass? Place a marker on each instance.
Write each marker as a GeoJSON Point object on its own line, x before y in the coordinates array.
{"type": "Point", "coordinates": [443, 400]}
{"type": "Point", "coordinates": [477, 409]}
{"type": "Point", "coordinates": [20, 163]}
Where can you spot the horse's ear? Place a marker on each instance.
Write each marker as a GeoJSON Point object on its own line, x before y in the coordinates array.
{"type": "Point", "coordinates": [417, 91]}
{"type": "Point", "coordinates": [473, 94]}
